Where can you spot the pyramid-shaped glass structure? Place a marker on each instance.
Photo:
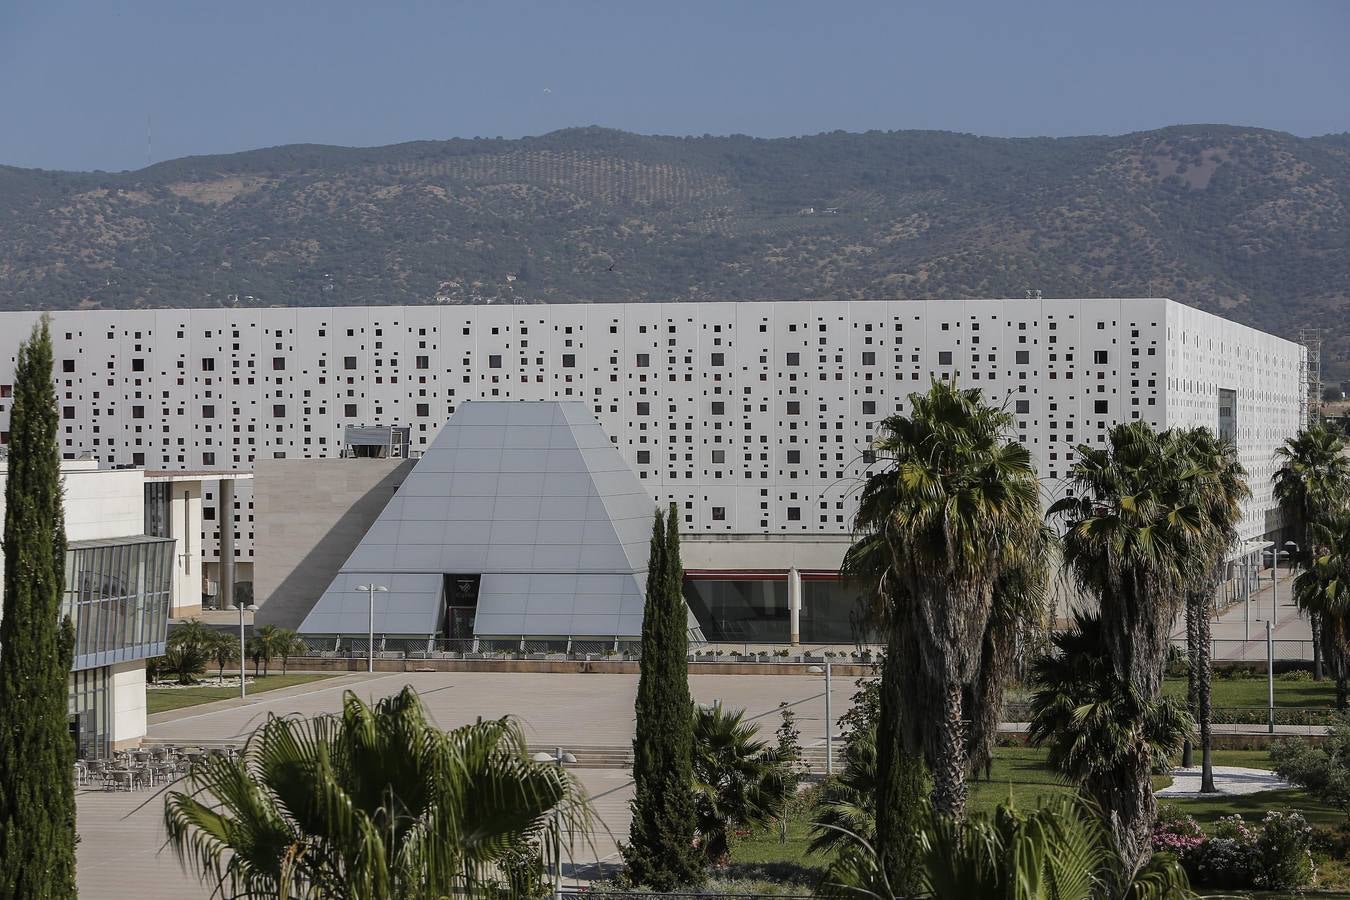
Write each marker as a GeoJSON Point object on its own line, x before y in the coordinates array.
{"type": "Point", "coordinates": [529, 498]}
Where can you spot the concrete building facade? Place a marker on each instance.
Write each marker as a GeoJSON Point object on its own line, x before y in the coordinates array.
{"type": "Point", "coordinates": [754, 418]}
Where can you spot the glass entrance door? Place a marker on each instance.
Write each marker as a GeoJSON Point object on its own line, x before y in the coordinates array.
{"type": "Point", "coordinates": [459, 624]}
{"type": "Point", "coordinates": [461, 605]}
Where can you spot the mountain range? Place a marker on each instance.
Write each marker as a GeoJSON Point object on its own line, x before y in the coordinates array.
{"type": "Point", "coordinates": [1247, 223]}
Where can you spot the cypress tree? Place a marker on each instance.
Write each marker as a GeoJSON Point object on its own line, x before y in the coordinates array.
{"type": "Point", "coordinates": [37, 755]}
{"type": "Point", "coordinates": [661, 852]}
{"type": "Point", "coordinates": [902, 784]}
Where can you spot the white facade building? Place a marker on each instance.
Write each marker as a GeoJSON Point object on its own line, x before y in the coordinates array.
{"type": "Point", "coordinates": [117, 595]}
{"type": "Point", "coordinates": [755, 418]}
{"type": "Point", "coordinates": [133, 562]}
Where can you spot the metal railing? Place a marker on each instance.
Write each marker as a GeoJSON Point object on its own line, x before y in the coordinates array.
{"type": "Point", "coordinates": [430, 648]}
{"type": "Point", "coordinates": [1287, 650]}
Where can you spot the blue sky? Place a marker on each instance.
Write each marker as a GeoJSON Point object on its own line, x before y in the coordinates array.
{"type": "Point", "coordinates": [78, 78]}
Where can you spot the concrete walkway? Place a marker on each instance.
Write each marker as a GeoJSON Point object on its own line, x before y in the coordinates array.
{"type": "Point", "coordinates": [1239, 632]}
{"type": "Point", "coordinates": [1230, 780]}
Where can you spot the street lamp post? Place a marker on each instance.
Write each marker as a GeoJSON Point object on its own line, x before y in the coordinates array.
{"type": "Point", "coordinates": [370, 590]}
{"type": "Point", "coordinates": [243, 608]}
{"type": "Point", "coordinates": [558, 757]}
{"type": "Point", "coordinates": [1270, 676]}
{"type": "Point", "coordinates": [829, 724]}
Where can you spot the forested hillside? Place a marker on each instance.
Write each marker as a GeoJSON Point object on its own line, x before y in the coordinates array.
{"type": "Point", "coordinates": [1250, 223]}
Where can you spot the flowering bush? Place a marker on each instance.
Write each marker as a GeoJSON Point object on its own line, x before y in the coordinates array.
{"type": "Point", "coordinates": [1274, 855]}
{"type": "Point", "coordinates": [1221, 863]}
{"type": "Point", "coordinates": [1175, 832]}
{"type": "Point", "coordinates": [1284, 852]}
{"type": "Point", "coordinates": [1179, 845]}
{"type": "Point", "coordinates": [1172, 819]}
{"type": "Point", "coordinates": [1236, 829]}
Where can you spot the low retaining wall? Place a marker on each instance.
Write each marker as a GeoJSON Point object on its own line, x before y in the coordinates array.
{"type": "Point", "coordinates": [567, 666]}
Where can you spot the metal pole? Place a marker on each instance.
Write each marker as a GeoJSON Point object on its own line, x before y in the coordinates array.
{"type": "Point", "coordinates": [1246, 611]}
{"type": "Point", "coordinates": [1275, 588]}
{"type": "Point", "coordinates": [829, 724]}
{"type": "Point", "coordinates": [370, 635]}
{"type": "Point", "coordinates": [241, 651]}
{"type": "Point", "coordinates": [1270, 675]}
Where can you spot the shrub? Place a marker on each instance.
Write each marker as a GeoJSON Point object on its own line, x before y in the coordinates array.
{"type": "Point", "coordinates": [1295, 675]}
{"type": "Point", "coordinates": [1275, 855]}
{"type": "Point", "coordinates": [1220, 863]}
{"type": "Point", "coordinates": [1178, 664]}
{"type": "Point", "coordinates": [1176, 833]}
{"type": "Point", "coordinates": [1332, 841]}
{"type": "Point", "coordinates": [1284, 852]}
{"type": "Point", "coordinates": [1171, 819]}
{"type": "Point", "coordinates": [1323, 770]}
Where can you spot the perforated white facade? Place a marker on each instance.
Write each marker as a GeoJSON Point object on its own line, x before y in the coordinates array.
{"type": "Point", "coordinates": [754, 417]}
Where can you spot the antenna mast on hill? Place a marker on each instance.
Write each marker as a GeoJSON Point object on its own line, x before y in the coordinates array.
{"type": "Point", "coordinates": [1311, 338]}
{"type": "Point", "coordinates": [149, 156]}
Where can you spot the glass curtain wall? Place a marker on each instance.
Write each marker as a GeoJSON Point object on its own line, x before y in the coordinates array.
{"type": "Point", "coordinates": [117, 597]}
{"type": "Point", "coordinates": [90, 719]}
{"type": "Point", "coordinates": [755, 610]}
{"type": "Point", "coordinates": [158, 496]}
{"type": "Point", "coordinates": [740, 610]}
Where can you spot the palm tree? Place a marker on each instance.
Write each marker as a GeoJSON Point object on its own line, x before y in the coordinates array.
{"type": "Point", "coordinates": [267, 643]}
{"type": "Point", "coordinates": [1132, 530]}
{"type": "Point", "coordinates": [739, 780]}
{"type": "Point", "coordinates": [955, 507]}
{"type": "Point", "coordinates": [1018, 619]}
{"type": "Point", "coordinates": [375, 803]}
{"type": "Point", "coordinates": [289, 644]}
{"type": "Point", "coordinates": [846, 807]}
{"type": "Point", "coordinates": [1095, 723]}
{"type": "Point", "coordinates": [1219, 486]}
{"type": "Point", "coordinates": [188, 649]}
{"type": "Point", "coordinates": [1313, 478]}
{"type": "Point", "coordinates": [1323, 589]}
{"type": "Point", "coordinates": [224, 650]}
{"type": "Point", "coordinates": [1058, 852]}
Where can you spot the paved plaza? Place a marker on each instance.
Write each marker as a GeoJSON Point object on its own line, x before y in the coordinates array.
{"type": "Point", "coordinates": [121, 851]}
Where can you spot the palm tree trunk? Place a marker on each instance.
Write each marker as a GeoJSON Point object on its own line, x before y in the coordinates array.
{"type": "Point", "coordinates": [1315, 620]}
{"type": "Point", "coordinates": [949, 770]}
{"type": "Point", "coordinates": [1333, 645]}
{"type": "Point", "coordinates": [1205, 712]}
{"type": "Point", "coordinates": [1193, 616]}
{"type": "Point", "coordinates": [1126, 796]}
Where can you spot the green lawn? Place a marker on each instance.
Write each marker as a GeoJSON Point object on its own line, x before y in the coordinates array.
{"type": "Point", "coordinates": [1251, 692]}
{"type": "Point", "coordinates": [159, 700]}
{"type": "Point", "coordinates": [1021, 772]}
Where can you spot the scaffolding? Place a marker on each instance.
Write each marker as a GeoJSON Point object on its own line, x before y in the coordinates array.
{"type": "Point", "coordinates": [1311, 339]}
